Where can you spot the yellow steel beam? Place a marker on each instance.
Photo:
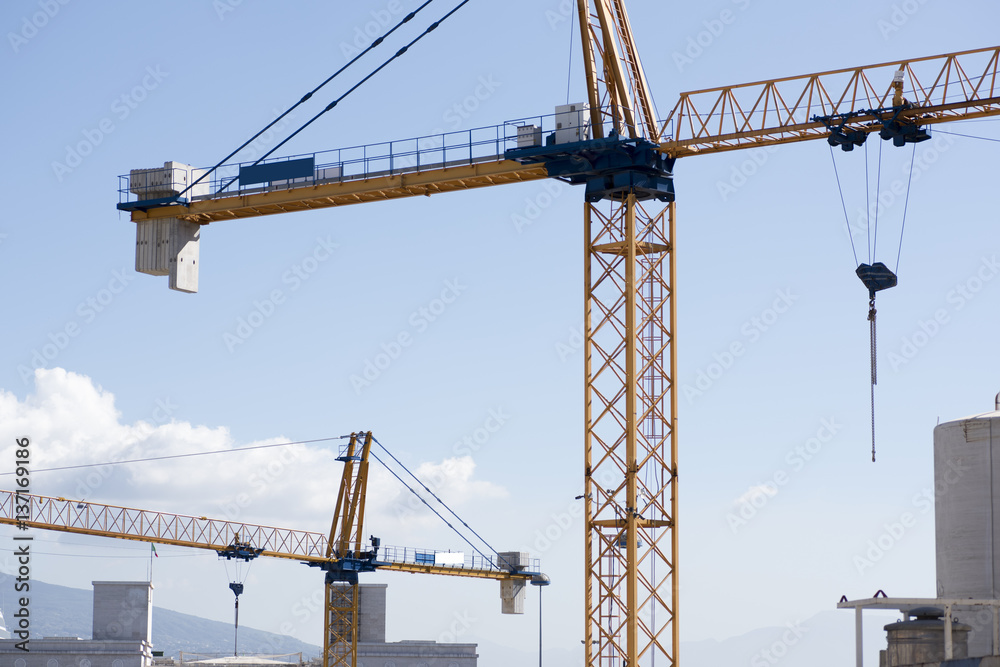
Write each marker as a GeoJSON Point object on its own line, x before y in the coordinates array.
{"type": "Point", "coordinates": [936, 89]}
{"type": "Point", "coordinates": [87, 518]}
{"type": "Point", "coordinates": [378, 188]}
{"type": "Point", "coordinates": [455, 571]}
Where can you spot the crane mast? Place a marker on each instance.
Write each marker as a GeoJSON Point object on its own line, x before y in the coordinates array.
{"type": "Point", "coordinates": [630, 447]}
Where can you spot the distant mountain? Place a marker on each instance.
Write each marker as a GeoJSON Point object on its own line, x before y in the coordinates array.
{"type": "Point", "coordinates": [61, 611]}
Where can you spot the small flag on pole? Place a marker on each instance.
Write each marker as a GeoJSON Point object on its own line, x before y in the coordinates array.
{"type": "Point", "coordinates": [153, 547]}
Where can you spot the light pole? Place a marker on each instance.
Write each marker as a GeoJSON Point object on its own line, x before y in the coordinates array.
{"type": "Point", "coordinates": [540, 580]}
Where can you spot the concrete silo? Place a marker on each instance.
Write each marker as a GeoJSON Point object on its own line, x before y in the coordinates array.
{"type": "Point", "coordinates": [967, 515]}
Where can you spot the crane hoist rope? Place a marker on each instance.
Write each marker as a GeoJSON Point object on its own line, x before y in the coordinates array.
{"type": "Point", "coordinates": [875, 275]}
{"type": "Point", "coordinates": [245, 552]}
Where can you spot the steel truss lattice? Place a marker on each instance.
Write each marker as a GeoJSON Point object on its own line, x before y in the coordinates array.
{"type": "Point", "coordinates": [631, 449]}
{"type": "Point", "coordinates": [340, 640]}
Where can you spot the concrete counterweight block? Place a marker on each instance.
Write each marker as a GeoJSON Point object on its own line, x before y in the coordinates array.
{"type": "Point", "coordinates": [185, 243]}
{"type": "Point", "coordinates": [169, 247]}
{"type": "Point", "coordinates": [512, 591]}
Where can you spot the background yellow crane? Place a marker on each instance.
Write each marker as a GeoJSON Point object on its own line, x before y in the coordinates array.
{"type": "Point", "coordinates": [624, 155]}
{"type": "Point", "coordinates": [341, 555]}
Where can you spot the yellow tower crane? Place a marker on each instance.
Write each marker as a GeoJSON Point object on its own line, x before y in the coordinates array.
{"type": "Point", "coordinates": [342, 555]}
{"type": "Point", "coordinates": [616, 147]}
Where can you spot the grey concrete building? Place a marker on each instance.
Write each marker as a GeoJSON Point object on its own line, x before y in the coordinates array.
{"type": "Point", "coordinates": [374, 651]}
{"type": "Point", "coordinates": [121, 633]}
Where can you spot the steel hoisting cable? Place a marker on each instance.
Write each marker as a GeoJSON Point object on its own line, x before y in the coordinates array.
{"type": "Point", "coordinates": [424, 501]}
{"type": "Point", "coordinates": [871, 304]}
{"type": "Point", "coordinates": [868, 206]}
{"type": "Point", "coordinates": [843, 204]}
{"type": "Point", "coordinates": [337, 101]}
{"type": "Point", "coordinates": [443, 504]}
{"type": "Point", "coordinates": [569, 72]}
{"type": "Point", "coordinates": [878, 196]}
{"type": "Point", "coordinates": [871, 318]}
{"type": "Point", "coordinates": [906, 205]}
{"type": "Point", "coordinates": [308, 95]}
{"type": "Point", "coordinates": [873, 241]}
{"type": "Point", "coordinates": [967, 136]}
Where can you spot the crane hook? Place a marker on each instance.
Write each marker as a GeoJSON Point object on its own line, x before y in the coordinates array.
{"type": "Point", "coordinates": [876, 277]}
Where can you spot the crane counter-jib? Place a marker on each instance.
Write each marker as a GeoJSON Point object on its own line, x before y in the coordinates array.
{"type": "Point", "coordinates": [25, 510]}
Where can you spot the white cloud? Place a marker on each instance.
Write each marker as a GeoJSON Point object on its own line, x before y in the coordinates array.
{"type": "Point", "coordinates": [71, 421]}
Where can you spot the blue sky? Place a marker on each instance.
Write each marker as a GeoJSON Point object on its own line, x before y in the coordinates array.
{"type": "Point", "coordinates": [149, 371]}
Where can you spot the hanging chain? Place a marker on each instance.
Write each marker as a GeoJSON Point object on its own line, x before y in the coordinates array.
{"type": "Point", "coordinates": [871, 319]}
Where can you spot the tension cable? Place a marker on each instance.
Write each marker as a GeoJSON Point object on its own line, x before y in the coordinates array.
{"type": "Point", "coordinates": [876, 276]}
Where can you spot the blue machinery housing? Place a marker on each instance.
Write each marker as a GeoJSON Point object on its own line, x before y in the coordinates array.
{"type": "Point", "coordinates": [611, 167]}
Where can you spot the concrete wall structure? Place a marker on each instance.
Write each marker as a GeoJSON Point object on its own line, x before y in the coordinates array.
{"type": "Point", "coordinates": [123, 610]}
{"type": "Point", "coordinates": [371, 613]}
{"type": "Point", "coordinates": [374, 651]}
{"type": "Point", "coordinates": [967, 518]}
{"type": "Point", "coordinates": [417, 654]}
{"type": "Point", "coordinates": [122, 633]}
{"type": "Point", "coordinates": [123, 630]}
{"type": "Point", "coordinates": [75, 652]}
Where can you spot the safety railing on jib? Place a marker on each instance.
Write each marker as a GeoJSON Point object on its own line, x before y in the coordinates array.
{"type": "Point", "coordinates": [456, 559]}
{"type": "Point", "coordinates": [429, 152]}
